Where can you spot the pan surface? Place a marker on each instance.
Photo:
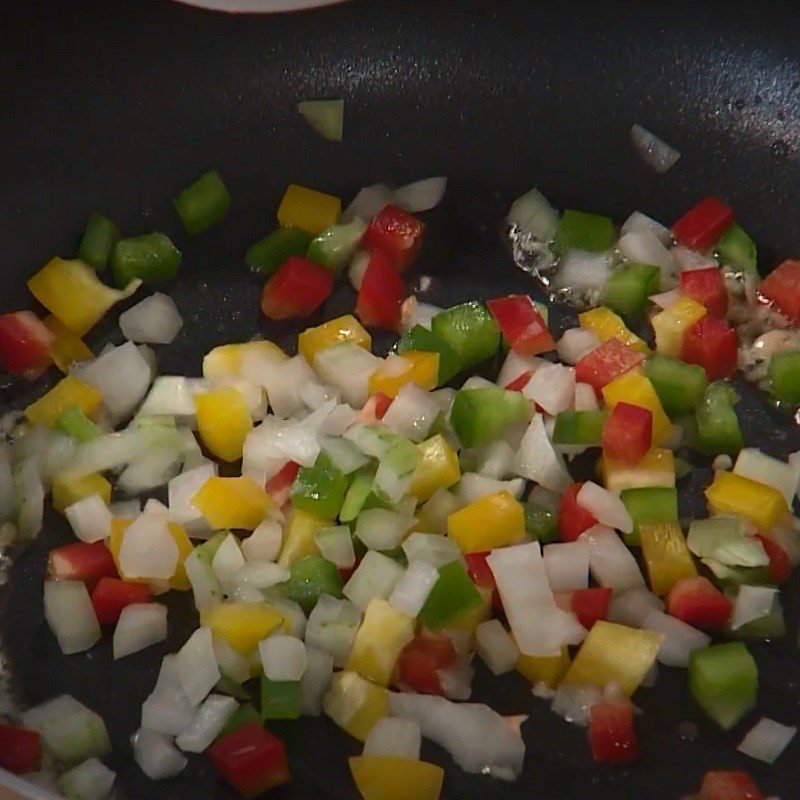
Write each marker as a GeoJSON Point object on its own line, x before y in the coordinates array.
{"type": "Point", "coordinates": [117, 105]}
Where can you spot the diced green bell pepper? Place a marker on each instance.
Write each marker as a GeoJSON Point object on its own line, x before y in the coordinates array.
{"type": "Point", "coordinates": [628, 288]}
{"type": "Point", "coordinates": [452, 594]}
{"type": "Point", "coordinates": [540, 523]}
{"type": "Point", "coordinates": [151, 257]}
{"type": "Point", "coordinates": [203, 204]}
{"type": "Point", "coordinates": [679, 385]}
{"type": "Point", "coordinates": [98, 241]}
{"type": "Point", "coordinates": [649, 504]}
{"type": "Point", "coordinates": [311, 577]}
{"type": "Point", "coordinates": [784, 376]}
{"type": "Point", "coordinates": [335, 247]}
{"type": "Point", "coordinates": [421, 339]}
{"type": "Point", "coordinates": [737, 249]}
{"type": "Point", "coordinates": [470, 330]}
{"type": "Point", "coordinates": [73, 422]}
{"type": "Point", "coordinates": [271, 252]}
{"type": "Point", "coordinates": [279, 699]}
{"type": "Point", "coordinates": [320, 490]}
{"type": "Point", "coordinates": [771, 626]}
{"type": "Point", "coordinates": [579, 427]}
{"type": "Point", "coordinates": [358, 494]}
{"type": "Point", "coordinates": [583, 231]}
{"type": "Point", "coordinates": [244, 714]}
{"type": "Point", "coordinates": [723, 680]}
{"type": "Point", "coordinates": [717, 425]}
{"type": "Point", "coordinates": [481, 415]}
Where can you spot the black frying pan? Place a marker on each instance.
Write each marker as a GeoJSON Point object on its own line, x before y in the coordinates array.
{"type": "Point", "coordinates": [117, 105]}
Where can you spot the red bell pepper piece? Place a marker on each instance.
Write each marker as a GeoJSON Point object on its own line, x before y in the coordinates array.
{"type": "Point", "coordinates": [421, 658]}
{"type": "Point", "coordinates": [481, 574]}
{"type": "Point", "coordinates": [523, 327]}
{"type": "Point", "coordinates": [279, 486]}
{"type": "Point", "coordinates": [611, 733]}
{"type": "Point", "coordinates": [702, 225]}
{"type": "Point", "coordinates": [573, 519]}
{"type": "Point", "coordinates": [397, 234]}
{"type": "Point", "coordinates": [782, 287]}
{"type": "Point", "coordinates": [373, 410]}
{"type": "Point", "coordinates": [250, 759]}
{"type": "Point", "coordinates": [519, 383]}
{"type": "Point", "coordinates": [80, 561]}
{"type": "Point", "coordinates": [707, 286]}
{"type": "Point", "coordinates": [628, 433]}
{"type": "Point", "coordinates": [609, 360]}
{"type": "Point", "coordinates": [697, 602]}
{"type": "Point", "coordinates": [24, 343]}
{"type": "Point", "coordinates": [111, 595]}
{"type": "Point", "coordinates": [713, 345]}
{"type": "Point", "coordinates": [779, 564]}
{"type": "Point", "coordinates": [722, 785]}
{"type": "Point", "coordinates": [297, 289]}
{"type": "Point", "coordinates": [591, 605]}
{"type": "Point", "coordinates": [381, 294]}
{"type": "Point", "coordinates": [20, 749]}
{"type": "Point", "coordinates": [345, 573]}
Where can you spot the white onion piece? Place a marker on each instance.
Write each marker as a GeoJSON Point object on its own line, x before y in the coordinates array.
{"type": "Point", "coordinates": [473, 487]}
{"type": "Point", "coordinates": [126, 509]}
{"type": "Point", "coordinates": [533, 214]}
{"type": "Point", "coordinates": [115, 449]}
{"type": "Point", "coordinates": [610, 561]}
{"type": "Point", "coordinates": [368, 202]}
{"type": "Point", "coordinates": [581, 271]}
{"type": "Point", "coordinates": [196, 665]}
{"type": "Point", "coordinates": [516, 365]}
{"type": "Point", "coordinates": [412, 590]}
{"type": "Point", "coordinates": [655, 152]}
{"type": "Point", "coordinates": [275, 441]}
{"type": "Point", "coordinates": [341, 418]}
{"type": "Point", "coordinates": [181, 491]}
{"type": "Point", "coordinates": [575, 343]}
{"type": "Point", "coordinates": [148, 549]}
{"type": "Point", "coordinates": [631, 606]}
{"type": "Point", "coordinates": [789, 539]}
{"type": "Point", "coordinates": [89, 518]}
{"type": "Point", "coordinates": [412, 312]}
{"type": "Point", "coordinates": [766, 740]}
{"type": "Point", "coordinates": [752, 602]}
{"type": "Point", "coordinates": [123, 376]}
{"type": "Point", "coordinates": [420, 195]}
{"type": "Point", "coordinates": [476, 736]}
{"type": "Point", "coordinates": [638, 222]}
{"type": "Point", "coordinates": [680, 639]}
{"type": "Point", "coordinates": [167, 709]}
{"type": "Point", "coordinates": [665, 300]}
{"type": "Point", "coordinates": [90, 780]}
{"type": "Point", "coordinates": [154, 320]}
{"type": "Point", "coordinates": [644, 247]}
{"type": "Point", "coordinates": [567, 565]}
{"type": "Point", "coordinates": [391, 736]}
{"type": "Point", "coordinates": [314, 395]}
{"type": "Point", "coordinates": [605, 507]}
{"type": "Point", "coordinates": [585, 398]}
{"type": "Point", "coordinates": [207, 723]}
{"type": "Point", "coordinates": [335, 543]}
{"type": "Point", "coordinates": [155, 754]}
{"type": "Point", "coordinates": [348, 368]}
{"type": "Point", "coordinates": [282, 379]}
{"type": "Point", "coordinates": [412, 413]}
{"type": "Point", "coordinates": [173, 395]}
{"type": "Point", "coordinates": [315, 681]}
{"type": "Point", "coordinates": [380, 529]}
{"type": "Point", "coordinates": [538, 461]}
{"type": "Point", "coordinates": [228, 559]}
{"type": "Point", "coordinates": [332, 626]}
{"type": "Point", "coordinates": [493, 460]}
{"type": "Point", "coordinates": [344, 454]}
{"type": "Point", "coordinates": [574, 703]}
{"type": "Point", "coordinates": [431, 548]}
{"type": "Point", "coordinates": [29, 498]}
{"type": "Point", "coordinates": [292, 613]}
{"type": "Point", "coordinates": [69, 613]}
{"type": "Point", "coordinates": [456, 679]}
{"type": "Point", "coordinates": [375, 576]}
{"type": "Point", "coordinates": [283, 657]}
{"type": "Point", "coordinates": [552, 388]}
{"type": "Point", "coordinates": [357, 269]}
{"type": "Point", "coordinates": [477, 382]}
{"type": "Point", "coordinates": [686, 259]}
{"type": "Point", "coordinates": [496, 647]}
{"type": "Point", "coordinates": [257, 576]}
{"type": "Point", "coordinates": [231, 664]}
{"type": "Point", "coordinates": [264, 543]}
{"type": "Point", "coordinates": [140, 625]}
{"type": "Point", "coordinates": [149, 471]}
{"type": "Point", "coordinates": [752, 463]}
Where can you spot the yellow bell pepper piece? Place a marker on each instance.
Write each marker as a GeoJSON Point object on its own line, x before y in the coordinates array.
{"type": "Point", "coordinates": [341, 329]}
{"type": "Point", "coordinates": [438, 468]}
{"type": "Point", "coordinates": [298, 537]}
{"type": "Point", "coordinates": [414, 366]}
{"type": "Point", "coordinates": [355, 704]}
{"type": "Point", "coordinates": [232, 503]}
{"type": "Point", "coordinates": [470, 619]}
{"type": "Point", "coordinates": [544, 669]}
{"type": "Point", "coordinates": [67, 348]}
{"type": "Point", "coordinates": [634, 387]}
{"type": "Point", "coordinates": [73, 292]}
{"type": "Point", "coordinates": [223, 422]}
{"type": "Point", "coordinates": [69, 391]}
{"type": "Point", "coordinates": [734, 494]}
{"type": "Point", "coordinates": [657, 468]}
{"type": "Point", "coordinates": [605, 324]}
{"type": "Point", "coordinates": [666, 555]}
{"type": "Point", "coordinates": [242, 625]}
{"type": "Point", "coordinates": [308, 209]}
{"type": "Point", "coordinates": [69, 488]}
{"type": "Point", "coordinates": [616, 653]}
{"type": "Point", "coordinates": [493, 521]}
{"type": "Point", "coordinates": [225, 361]}
{"type": "Point", "coordinates": [671, 323]}
{"type": "Point", "coordinates": [382, 635]}
{"type": "Point", "coordinates": [395, 778]}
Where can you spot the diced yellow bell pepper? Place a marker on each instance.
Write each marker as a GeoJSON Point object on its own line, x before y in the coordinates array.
{"type": "Point", "coordinates": [242, 625]}
{"type": "Point", "coordinates": [671, 323]}
{"type": "Point", "coordinates": [341, 329]}
{"type": "Point", "coordinates": [225, 361]}
{"type": "Point", "coordinates": [67, 347]}
{"type": "Point", "coordinates": [544, 669]}
{"type": "Point", "coordinates": [438, 468]}
{"type": "Point", "coordinates": [496, 520]}
{"type": "Point", "coordinates": [395, 778]}
{"type": "Point", "coordinates": [470, 619]}
{"type": "Point", "coordinates": [657, 468]}
{"type": "Point", "coordinates": [232, 503]}
{"type": "Point", "coordinates": [605, 324]}
{"type": "Point", "coordinates": [666, 555]}
{"type": "Point", "coordinates": [615, 653]}
{"type": "Point", "coordinates": [72, 292]}
{"type": "Point", "coordinates": [379, 641]}
{"type": "Point", "coordinates": [734, 494]}
{"type": "Point", "coordinates": [414, 366]}
{"type": "Point", "coordinates": [69, 488]}
{"type": "Point", "coordinates": [355, 704]}
{"type": "Point", "coordinates": [69, 391]}
{"type": "Point", "coordinates": [634, 387]}
{"type": "Point", "coordinates": [298, 537]}
{"type": "Point", "coordinates": [223, 422]}
{"type": "Point", "coordinates": [308, 209]}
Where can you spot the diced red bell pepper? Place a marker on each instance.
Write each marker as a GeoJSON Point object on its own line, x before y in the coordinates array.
{"type": "Point", "coordinates": [20, 749]}
{"type": "Point", "coordinates": [397, 234]}
{"type": "Point", "coordinates": [421, 658]}
{"type": "Point", "coordinates": [611, 733]}
{"type": "Point", "coordinates": [609, 360]}
{"type": "Point", "coordinates": [381, 294]}
{"type": "Point", "coordinates": [782, 287]}
{"type": "Point", "coordinates": [722, 785]}
{"type": "Point", "coordinates": [779, 564]}
{"type": "Point", "coordinates": [628, 433]}
{"type": "Point", "coordinates": [697, 602]}
{"type": "Point", "coordinates": [518, 384]}
{"type": "Point", "coordinates": [373, 410]}
{"type": "Point", "coordinates": [250, 759]}
{"type": "Point", "coordinates": [712, 344]}
{"type": "Point", "coordinates": [345, 573]}
{"type": "Point", "coordinates": [279, 486]}
{"type": "Point", "coordinates": [80, 561]}
{"type": "Point", "coordinates": [111, 595]}
{"type": "Point", "coordinates": [24, 343]}
{"type": "Point", "coordinates": [297, 289]}
{"type": "Point", "coordinates": [523, 327]}
{"type": "Point", "coordinates": [573, 519]}
{"type": "Point", "coordinates": [482, 576]}
{"type": "Point", "coordinates": [591, 605]}
{"type": "Point", "coordinates": [707, 286]}
{"type": "Point", "coordinates": [701, 226]}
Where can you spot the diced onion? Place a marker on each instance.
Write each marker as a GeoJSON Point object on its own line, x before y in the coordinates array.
{"type": "Point", "coordinates": [666, 299]}
{"type": "Point", "coordinates": [631, 606]}
{"type": "Point", "coordinates": [196, 665]}
{"type": "Point", "coordinates": [332, 627]}
{"type": "Point", "coordinates": [516, 365]}
{"type": "Point", "coordinates": [644, 247]}
{"type": "Point", "coordinates": [655, 152]}
{"type": "Point", "coordinates": [123, 376]}
{"type": "Point", "coordinates": [766, 740]}
{"type": "Point", "coordinates": [496, 647]}
{"type": "Point", "coordinates": [412, 590]}
{"type": "Point", "coordinates": [69, 613]}
{"type": "Point", "coordinates": [140, 625]}
{"type": "Point", "coordinates": [610, 562]}
{"type": "Point", "coordinates": [412, 413]}
{"type": "Point", "coordinates": [532, 214]}
{"type": "Point", "coordinates": [357, 269]}
{"type": "Point", "coordinates": [538, 461]}
{"type": "Point", "coordinates": [375, 576]}
{"type": "Point", "coordinates": [567, 565]}
{"type": "Point", "coordinates": [391, 736]}
{"type": "Point", "coordinates": [207, 723]}
{"type": "Point", "coordinates": [638, 222]}
{"type": "Point", "coordinates": [154, 320]}
{"type": "Point", "coordinates": [315, 681]}
{"type": "Point", "coordinates": [421, 195]}
{"type": "Point", "coordinates": [431, 548]}
{"type": "Point", "coordinates": [582, 271]}
{"type": "Point", "coordinates": [167, 709]}
{"type": "Point", "coordinates": [412, 312]}
{"type": "Point", "coordinates": [173, 395]}
{"type": "Point", "coordinates": [752, 603]}
{"type": "Point", "coordinates": [283, 658]}
{"type": "Point", "coordinates": [228, 559]}
{"type": "Point", "coordinates": [752, 463]}
{"type": "Point", "coordinates": [348, 368]}
{"type": "Point", "coordinates": [605, 507]}
{"type": "Point", "coordinates": [155, 754]}
{"type": "Point", "coordinates": [585, 398]}
{"type": "Point", "coordinates": [29, 498]}
{"type": "Point", "coordinates": [344, 454]}
{"type": "Point", "coordinates": [89, 518]}
{"type": "Point", "coordinates": [368, 202]}
{"type": "Point", "coordinates": [680, 639]}
{"type": "Point", "coordinates": [455, 679]}
{"type": "Point", "coordinates": [326, 117]}
{"type": "Point", "coordinates": [473, 487]}
{"type": "Point", "coordinates": [148, 549]}
{"type": "Point", "coordinates": [264, 543]}
{"type": "Point", "coordinates": [180, 492]}
{"type": "Point", "coordinates": [575, 343]}
{"type": "Point", "coordinates": [91, 780]}
{"type": "Point", "coordinates": [380, 529]}
{"type": "Point", "coordinates": [552, 388]}
{"type": "Point", "coordinates": [574, 703]}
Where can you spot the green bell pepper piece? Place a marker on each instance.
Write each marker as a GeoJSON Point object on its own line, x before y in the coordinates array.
{"type": "Point", "coordinates": [541, 523]}
{"type": "Point", "coordinates": [679, 385]}
{"type": "Point", "coordinates": [151, 257]}
{"type": "Point", "coordinates": [583, 231]}
{"type": "Point", "coordinates": [628, 288]}
{"type": "Point", "coordinates": [271, 252]}
{"type": "Point", "coordinates": [452, 594]}
{"type": "Point", "coordinates": [479, 416]}
{"type": "Point", "coordinates": [357, 493]}
{"type": "Point", "coordinates": [335, 247]}
{"type": "Point", "coordinates": [320, 490]}
{"type": "Point", "coordinates": [723, 680]}
{"type": "Point", "coordinates": [279, 699]}
{"type": "Point", "coordinates": [421, 339]}
{"type": "Point", "coordinates": [717, 425]}
{"type": "Point", "coordinates": [579, 427]}
{"type": "Point", "coordinates": [203, 204]}
{"type": "Point", "coordinates": [244, 714]}
{"type": "Point", "coordinates": [649, 504]}
{"type": "Point", "coordinates": [470, 330]}
{"type": "Point", "coordinates": [737, 249]}
{"type": "Point", "coordinates": [98, 241]}
{"type": "Point", "coordinates": [784, 376]}
{"type": "Point", "coordinates": [311, 577]}
{"type": "Point", "coordinates": [73, 422]}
